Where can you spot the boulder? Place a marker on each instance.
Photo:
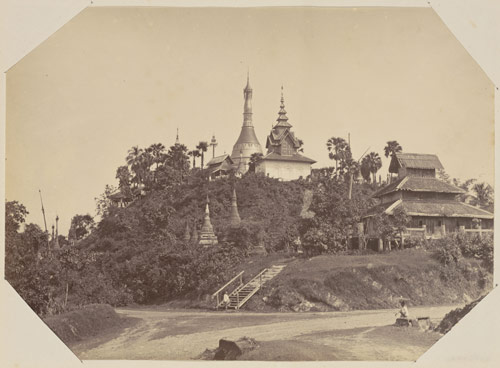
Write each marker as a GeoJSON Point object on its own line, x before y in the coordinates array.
{"type": "Point", "coordinates": [230, 350]}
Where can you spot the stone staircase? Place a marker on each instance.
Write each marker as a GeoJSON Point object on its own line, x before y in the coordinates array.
{"type": "Point", "coordinates": [239, 296]}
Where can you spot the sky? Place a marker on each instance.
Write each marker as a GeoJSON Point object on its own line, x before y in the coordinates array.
{"type": "Point", "coordinates": [113, 78]}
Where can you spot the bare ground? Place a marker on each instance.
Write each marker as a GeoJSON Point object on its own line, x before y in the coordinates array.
{"type": "Point", "coordinates": [184, 335]}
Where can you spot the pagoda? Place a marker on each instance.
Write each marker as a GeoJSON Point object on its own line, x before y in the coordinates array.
{"type": "Point", "coordinates": [247, 143]}
{"type": "Point", "coordinates": [207, 236]}
{"type": "Point", "coordinates": [234, 219]}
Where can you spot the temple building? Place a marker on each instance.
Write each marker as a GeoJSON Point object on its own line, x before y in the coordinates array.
{"type": "Point", "coordinates": [432, 203]}
{"type": "Point", "coordinates": [220, 167]}
{"type": "Point", "coordinates": [207, 236]}
{"type": "Point", "coordinates": [247, 143]}
{"type": "Point", "coordinates": [283, 160]}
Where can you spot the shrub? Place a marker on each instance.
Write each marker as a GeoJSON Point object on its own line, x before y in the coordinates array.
{"type": "Point", "coordinates": [453, 317]}
{"type": "Point", "coordinates": [447, 251]}
{"type": "Point", "coordinates": [414, 242]}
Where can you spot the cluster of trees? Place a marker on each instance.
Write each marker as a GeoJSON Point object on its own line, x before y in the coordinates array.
{"type": "Point", "coordinates": [138, 253]}
{"type": "Point", "coordinates": [483, 193]}
{"type": "Point", "coordinates": [368, 165]}
{"type": "Point", "coordinates": [152, 168]}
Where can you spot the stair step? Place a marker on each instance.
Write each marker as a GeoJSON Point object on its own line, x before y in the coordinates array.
{"type": "Point", "coordinates": [245, 292]}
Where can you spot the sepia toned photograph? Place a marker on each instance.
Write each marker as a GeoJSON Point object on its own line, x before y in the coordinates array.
{"type": "Point", "coordinates": [252, 184]}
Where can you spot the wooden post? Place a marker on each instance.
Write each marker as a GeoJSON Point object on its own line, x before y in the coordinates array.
{"type": "Point", "coordinates": [238, 300]}
{"type": "Point", "coordinates": [380, 245]}
{"type": "Point", "coordinates": [443, 230]}
{"type": "Point", "coordinates": [217, 306]}
{"type": "Point", "coordinates": [425, 230]}
{"type": "Point", "coordinates": [361, 235]}
{"type": "Point", "coordinates": [66, 297]}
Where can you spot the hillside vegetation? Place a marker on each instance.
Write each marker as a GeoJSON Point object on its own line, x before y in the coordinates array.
{"type": "Point", "coordinates": [350, 282]}
{"type": "Point", "coordinates": [142, 253]}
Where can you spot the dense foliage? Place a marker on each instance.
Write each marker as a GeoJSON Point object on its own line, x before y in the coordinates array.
{"type": "Point", "coordinates": [452, 248]}
{"type": "Point", "coordinates": [140, 250]}
{"type": "Point", "coordinates": [335, 215]}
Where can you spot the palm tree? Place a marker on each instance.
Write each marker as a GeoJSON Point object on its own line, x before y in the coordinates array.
{"type": "Point", "coordinates": [194, 153]}
{"type": "Point", "coordinates": [338, 149]}
{"type": "Point", "coordinates": [255, 158]}
{"type": "Point", "coordinates": [133, 155]}
{"type": "Point", "coordinates": [392, 148]}
{"type": "Point", "coordinates": [484, 194]}
{"type": "Point", "coordinates": [157, 151]}
{"type": "Point", "coordinates": [202, 147]}
{"type": "Point", "coordinates": [365, 169]}
{"type": "Point", "coordinates": [135, 161]}
{"type": "Point", "coordinates": [123, 176]}
{"type": "Point", "coordinates": [177, 158]}
{"type": "Point", "coordinates": [374, 163]}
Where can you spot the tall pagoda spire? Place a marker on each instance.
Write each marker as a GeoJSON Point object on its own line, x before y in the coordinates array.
{"type": "Point", "coordinates": [177, 137]}
{"type": "Point", "coordinates": [282, 118]}
{"type": "Point", "coordinates": [234, 219]}
{"type": "Point", "coordinates": [247, 142]}
{"type": "Point", "coordinates": [247, 107]}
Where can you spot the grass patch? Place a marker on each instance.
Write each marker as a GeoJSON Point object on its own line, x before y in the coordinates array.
{"type": "Point", "coordinates": [357, 282]}
{"type": "Point", "coordinates": [88, 321]}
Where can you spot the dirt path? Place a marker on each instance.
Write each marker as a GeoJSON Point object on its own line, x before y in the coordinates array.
{"type": "Point", "coordinates": [169, 335]}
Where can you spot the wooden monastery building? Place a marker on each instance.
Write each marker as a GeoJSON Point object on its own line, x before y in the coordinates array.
{"type": "Point", "coordinates": [220, 166]}
{"type": "Point", "coordinates": [432, 203]}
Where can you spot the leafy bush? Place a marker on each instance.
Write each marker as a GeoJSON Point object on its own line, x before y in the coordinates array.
{"type": "Point", "coordinates": [414, 242]}
{"type": "Point", "coordinates": [453, 317]}
{"type": "Point", "coordinates": [451, 248]}
{"type": "Point", "coordinates": [447, 251]}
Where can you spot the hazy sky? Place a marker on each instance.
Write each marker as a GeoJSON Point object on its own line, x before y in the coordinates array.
{"type": "Point", "coordinates": [114, 77]}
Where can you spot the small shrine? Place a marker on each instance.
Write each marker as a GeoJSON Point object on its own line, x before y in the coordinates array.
{"type": "Point", "coordinates": [207, 236]}
{"type": "Point", "coordinates": [234, 219]}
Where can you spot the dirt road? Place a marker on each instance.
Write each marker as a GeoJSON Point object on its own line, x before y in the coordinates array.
{"type": "Point", "coordinates": [172, 335]}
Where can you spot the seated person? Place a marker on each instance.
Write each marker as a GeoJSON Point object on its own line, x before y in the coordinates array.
{"type": "Point", "coordinates": [403, 312]}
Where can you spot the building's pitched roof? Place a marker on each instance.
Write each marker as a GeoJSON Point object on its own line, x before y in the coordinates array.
{"type": "Point", "coordinates": [439, 209]}
{"type": "Point", "coordinates": [219, 159]}
{"type": "Point", "coordinates": [272, 156]}
{"type": "Point", "coordinates": [418, 184]}
{"type": "Point", "coordinates": [276, 138]}
{"type": "Point", "coordinates": [414, 161]}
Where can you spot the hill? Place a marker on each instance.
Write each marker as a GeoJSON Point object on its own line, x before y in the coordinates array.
{"type": "Point", "coordinates": [371, 281]}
